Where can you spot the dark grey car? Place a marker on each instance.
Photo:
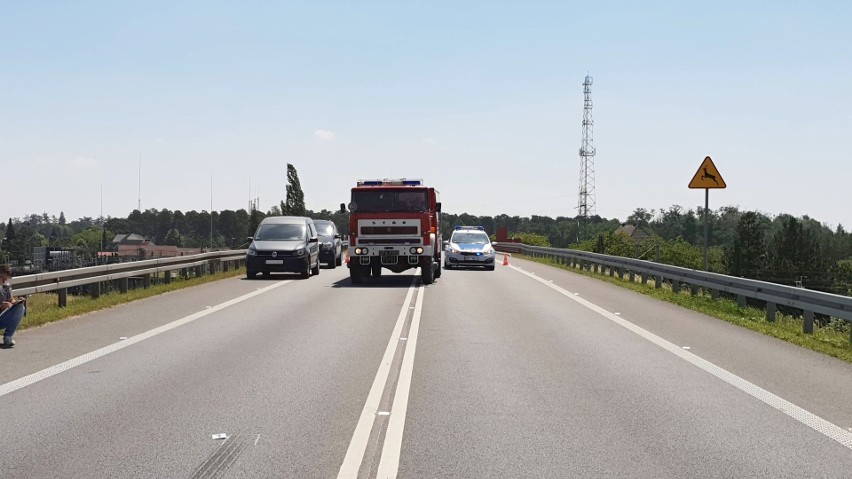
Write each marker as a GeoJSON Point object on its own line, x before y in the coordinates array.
{"type": "Point", "coordinates": [285, 244]}
{"type": "Point", "coordinates": [331, 246]}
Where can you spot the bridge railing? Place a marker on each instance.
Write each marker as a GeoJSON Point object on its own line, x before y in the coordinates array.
{"type": "Point", "coordinates": [119, 274]}
{"type": "Point", "coordinates": [773, 294]}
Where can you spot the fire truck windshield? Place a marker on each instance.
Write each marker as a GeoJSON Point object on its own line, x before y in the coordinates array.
{"type": "Point", "coordinates": [383, 201]}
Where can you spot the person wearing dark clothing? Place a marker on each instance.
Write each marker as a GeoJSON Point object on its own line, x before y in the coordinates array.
{"type": "Point", "coordinates": [12, 309]}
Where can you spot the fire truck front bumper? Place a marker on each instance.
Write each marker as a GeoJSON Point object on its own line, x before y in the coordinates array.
{"type": "Point", "coordinates": [390, 255]}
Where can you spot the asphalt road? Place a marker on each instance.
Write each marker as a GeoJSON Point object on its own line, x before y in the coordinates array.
{"type": "Point", "coordinates": [526, 371]}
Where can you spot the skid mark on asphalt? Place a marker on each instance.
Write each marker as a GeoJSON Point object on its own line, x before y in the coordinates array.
{"type": "Point", "coordinates": [218, 463]}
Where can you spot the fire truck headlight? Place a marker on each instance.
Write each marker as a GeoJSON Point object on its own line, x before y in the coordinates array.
{"type": "Point", "coordinates": [417, 250]}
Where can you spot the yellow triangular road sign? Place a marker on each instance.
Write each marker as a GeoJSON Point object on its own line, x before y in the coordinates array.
{"type": "Point", "coordinates": [707, 176]}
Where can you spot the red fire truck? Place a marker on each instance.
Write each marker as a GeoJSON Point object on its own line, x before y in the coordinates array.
{"type": "Point", "coordinates": [394, 224]}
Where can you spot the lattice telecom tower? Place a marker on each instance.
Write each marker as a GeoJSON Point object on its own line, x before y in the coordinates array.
{"type": "Point", "coordinates": [586, 203]}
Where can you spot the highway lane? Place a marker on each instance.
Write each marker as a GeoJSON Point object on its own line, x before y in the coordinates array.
{"type": "Point", "coordinates": [523, 382]}
{"type": "Point", "coordinates": [510, 379]}
{"type": "Point", "coordinates": [821, 383]}
{"type": "Point", "coordinates": [285, 372]}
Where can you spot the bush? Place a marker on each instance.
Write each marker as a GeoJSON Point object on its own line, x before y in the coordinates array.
{"type": "Point", "coordinates": [532, 239]}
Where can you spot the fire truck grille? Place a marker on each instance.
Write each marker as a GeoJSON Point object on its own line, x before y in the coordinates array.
{"type": "Point", "coordinates": [388, 230]}
{"type": "Point", "coordinates": [389, 241]}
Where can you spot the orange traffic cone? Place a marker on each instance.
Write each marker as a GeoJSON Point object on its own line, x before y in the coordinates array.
{"type": "Point", "coordinates": [505, 260]}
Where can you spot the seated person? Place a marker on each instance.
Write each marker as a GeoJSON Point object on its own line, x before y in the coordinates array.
{"type": "Point", "coordinates": [11, 309]}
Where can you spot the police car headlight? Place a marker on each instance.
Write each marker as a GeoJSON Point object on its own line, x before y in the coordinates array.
{"type": "Point", "coordinates": [251, 252]}
{"type": "Point", "coordinates": [300, 251]}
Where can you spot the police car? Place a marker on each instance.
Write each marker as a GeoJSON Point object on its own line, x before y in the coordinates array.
{"type": "Point", "coordinates": [469, 246]}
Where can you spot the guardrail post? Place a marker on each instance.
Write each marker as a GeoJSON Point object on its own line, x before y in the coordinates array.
{"type": "Point", "coordinates": [63, 297]}
{"type": "Point", "coordinates": [123, 285]}
{"type": "Point", "coordinates": [611, 272]}
{"type": "Point", "coordinates": [658, 282]}
{"type": "Point", "coordinates": [714, 293]}
{"type": "Point", "coordinates": [693, 290]}
{"type": "Point", "coordinates": [770, 312]}
{"type": "Point", "coordinates": [226, 266]}
{"type": "Point", "coordinates": [95, 290]}
{"type": "Point", "coordinates": [742, 301]}
{"type": "Point", "coordinates": [184, 273]}
{"type": "Point", "coordinates": [644, 278]}
{"type": "Point", "coordinates": [620, 273]}
{"type": "Point", "coordinates": [675, 286]}
{"type": "Point", "coordinates": [146, 281]}
{"type": "Point", "coordinates": [632, 276]}
{"type": "Point", "coordinates": [167, 277]}
{"type": "Point", "coordinates": [808, 323]}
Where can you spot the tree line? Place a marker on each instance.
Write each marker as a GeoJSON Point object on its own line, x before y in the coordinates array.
{"type": "Point", "coordinates": [781, 249]}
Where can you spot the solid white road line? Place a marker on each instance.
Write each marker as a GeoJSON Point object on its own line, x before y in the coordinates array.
{"type": "Point", "coordinates": [805, 417]}
{"type": "Point", "coordinates": [389, 463]}
{"type": "Point", "coordinates": [79, 360]}
{"type": "Point", "coordinates": [361, 436]}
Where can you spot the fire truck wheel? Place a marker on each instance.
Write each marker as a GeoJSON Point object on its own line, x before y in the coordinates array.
{"type": "Point", "coordinates": [438, 269]}
{"type": "Point", "coordinates": [427, 273]}
{"type": "Point", "coordinates": [356, 273]}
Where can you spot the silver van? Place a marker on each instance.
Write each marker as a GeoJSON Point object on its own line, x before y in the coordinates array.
{"type": "Point", "coordinates": [284, 244]}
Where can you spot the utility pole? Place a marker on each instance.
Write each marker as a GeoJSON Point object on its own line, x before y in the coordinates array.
{"type": "Point", "coordinates": [211, 211]}
{"type": "Point", "coordinates": [139, 201]}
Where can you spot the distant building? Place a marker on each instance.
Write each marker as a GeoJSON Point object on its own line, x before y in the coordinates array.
{"type": "Point", "coordinates": [129, 247]}
{"type": "Point", "coordinates": [635, 232]}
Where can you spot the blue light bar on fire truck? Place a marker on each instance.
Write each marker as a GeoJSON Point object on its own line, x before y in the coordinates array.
{"type": "Point", "coordinates": [481, 228]}
{"type": "Point", "coordinates": [391, 182]}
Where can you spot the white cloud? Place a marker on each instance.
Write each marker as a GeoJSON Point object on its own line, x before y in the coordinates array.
{"type": "Point", "coordinates": [324, 135]}
{"type": "Point", "coordinates": [429, 140]}
{"type": "Point", "coordinates": [82, 163]}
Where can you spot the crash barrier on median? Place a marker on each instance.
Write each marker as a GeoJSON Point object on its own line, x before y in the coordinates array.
{"type": "Point", "coordinates": [810, 302]}
{"type": "Point", "coordinates": [94, 279]}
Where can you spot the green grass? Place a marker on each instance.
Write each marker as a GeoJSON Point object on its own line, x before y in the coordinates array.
{"type": "Point", "coordinates": [43, 308]}
{"type": "Point", "coordinates": [832, 339]}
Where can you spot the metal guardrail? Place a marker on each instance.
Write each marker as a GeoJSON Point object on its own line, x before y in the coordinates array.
{"type": "Point", "coordinates": [93, 276]}
{"type": "Point", "coordinates": [809, 301]}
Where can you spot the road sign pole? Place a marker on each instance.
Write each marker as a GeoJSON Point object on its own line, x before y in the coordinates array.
{"type": "Point", "coordinates": [706, 225]}
{"type": "Point", "coordinates": [707, 177]}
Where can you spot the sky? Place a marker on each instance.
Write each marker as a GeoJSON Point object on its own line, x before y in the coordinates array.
{"type": "Point", "coordinates": [483, 100]}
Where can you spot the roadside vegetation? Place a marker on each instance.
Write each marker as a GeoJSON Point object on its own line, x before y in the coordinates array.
{"type": "Point", "coordinates": [43, 308]}
{"type": "Point", "coordinates": [831, 338]}
{"type": "Point", "coordinates": [780, 249]}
